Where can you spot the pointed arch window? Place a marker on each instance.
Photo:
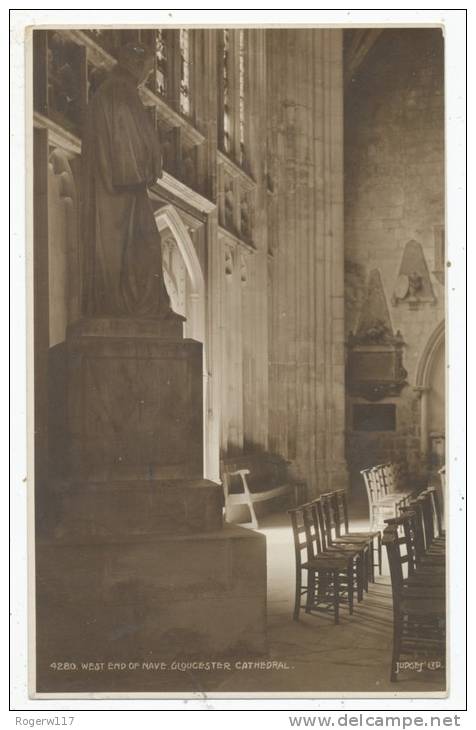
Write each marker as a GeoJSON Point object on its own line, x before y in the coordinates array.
{"type": "Point", "coordinates": [232, 90]}
{"type": "Point", "coordinates": [161, 71]}
{"type": "Point", "coordinates": [226, 109]}
{"type": "Point", "coordinates": [184, 99]}
{"type": "Point", "coordinates": [242, 108]}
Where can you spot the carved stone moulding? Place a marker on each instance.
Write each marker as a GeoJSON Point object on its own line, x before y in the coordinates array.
{"type": "Point", "coordinates": [376, 371]}
{"type": "Point", "coordinates": [375, 352]}
{"type": "Point", "coordinates": [377, 391]}
{"type": "Point", "coordinates": [413, 285]}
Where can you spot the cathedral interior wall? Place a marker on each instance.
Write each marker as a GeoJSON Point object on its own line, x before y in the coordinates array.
{"type": "Point", "coordinates": [394, 195]}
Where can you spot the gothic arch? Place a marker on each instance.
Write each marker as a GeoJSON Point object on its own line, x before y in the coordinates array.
{"type": "Point", "coordinates": [63, 245]}
{"type": "Point", "coordinates": [423, 381]}
{"type": "Point", "coordinates": [427, 357]}
{"type": "Point", "coordinates": [167, 218]}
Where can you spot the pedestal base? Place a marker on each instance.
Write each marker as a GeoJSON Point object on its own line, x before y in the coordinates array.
{"type": "Point", "coordinates": [159, 599]}
{"type": "Point", "coordinates": [135, 403]}
{"type": "Point", "coordinates": [124, 509]}
{"type": "Point", "coordinates": [133, 563]}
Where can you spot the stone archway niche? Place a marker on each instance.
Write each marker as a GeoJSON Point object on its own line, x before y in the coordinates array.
{"type": "Point", "coordinates": [186, 285]}
{"type": "Point", "coordinates": [430, 382]}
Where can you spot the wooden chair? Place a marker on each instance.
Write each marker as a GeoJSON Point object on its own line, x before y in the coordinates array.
{"type": "Point", "coordinates": [437, 512]}
{"type": "Point", "coordinates": [442, 473]}
{"type": "Point", "coordinates": [380, 483]}
{"type": "Point", "coordinates": [340, 513]}
{"type": "Point", "coordinates": [431, 541]}
{"type": "Point", "coordinates": [329, 577]}
{"type": "Point", "coordinates": [426, 567]}
{"type": "Point", "coordinates": [380, 506]}
{"type": "Point", "coordinates": [331, 543]}
{"type": "Point", "coordinates": [258, 478]}
{"type": "Point", "coordinates": [418, 608]}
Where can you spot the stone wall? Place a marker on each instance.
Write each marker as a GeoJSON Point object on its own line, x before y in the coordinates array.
{"type": "Point", "coordinates": [394, 194]}
{"type": "Point", "coordinates": [305, 234]}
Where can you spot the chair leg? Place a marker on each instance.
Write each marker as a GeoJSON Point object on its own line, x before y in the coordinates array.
{"type": "Point", "coordinates": [372, 518]}
{"type": "Point", "coordinates": [365, 563]}
{"type": "Point", "coordinates": [397, 629]}
{"type": "Point", "coordinates": [297, 600]}
{"type": "Point", "coordinates": [254, 519]}
{"type": "Point", "coordinates": [370, 561]}
{"type": "Point", "coordinates": [379, 550]}
{"type": "Point", "coordinates": [311, 587]}
{"type": "Point", "coordinates": [350, 588]}
{"type": "Point", "coordinates": [323, 586]}
{"type": "Point", "coordinates": [336, 582]}
{"type": "Point", "coordinates": [360, 580]}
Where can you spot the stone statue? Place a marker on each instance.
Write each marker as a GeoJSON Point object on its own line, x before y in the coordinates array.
{"type": "Point", "coordinates": [122, 158]}
{"type": "Point", "coordinates": [415, 284]}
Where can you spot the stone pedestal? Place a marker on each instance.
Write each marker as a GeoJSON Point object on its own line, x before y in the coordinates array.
{"type": "Point", "coordinates": [134, 562]}
{"type": "Point", "coordinates": [134, 400]}
{"type": "Point", "coordinates": [119, 509]}
{"type": "Point", "coordinates": [156, 598]}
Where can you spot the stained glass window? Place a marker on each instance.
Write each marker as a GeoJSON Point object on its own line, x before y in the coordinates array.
{"type": "Point", "coordinates": [161, 63]}
{"type": "Point", "coordinates": [64, 95]}
{"type": "Point", "coordinates": [184, 72]}
{"type": "Point", "coordinates": [226, 93]}
{"type": "Point", "coordinates": [242, 95]}
{"type": "Point", "coordinates": [106, 38]}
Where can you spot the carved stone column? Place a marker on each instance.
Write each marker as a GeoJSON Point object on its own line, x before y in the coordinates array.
{"type": "Point", "coordinates": [305, 139]}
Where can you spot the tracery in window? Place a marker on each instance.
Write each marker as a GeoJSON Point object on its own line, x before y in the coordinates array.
{"type": "Point", "coordinates": [161, 63]}
{"type": "Point", "coordinates": [242, 94]}
{"type": "Point", "coordinates": [226, 93]}
{"type": "Point", "coordinates": [104, 37]}
{"type": "Point", "coordinates": [64, 97]}
{"type": "Point", "coordinates": [184, 72]}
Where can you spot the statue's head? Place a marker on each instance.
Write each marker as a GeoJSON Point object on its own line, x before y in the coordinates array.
{"type": "Point", "coordinates": [137, 59]}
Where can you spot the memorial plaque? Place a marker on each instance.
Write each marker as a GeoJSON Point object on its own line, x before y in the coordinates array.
{"type": "Point", "coordinates": [374, 417]}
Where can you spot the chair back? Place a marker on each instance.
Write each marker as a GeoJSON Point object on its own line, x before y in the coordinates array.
{"type": "Point", "coordinates": [371, 485]}
{"type": "Point", "coordinates": [307, 541]}
{"type": "Point", "coordinates": [426, 503]}
{"type": "Point", "coordinates": [386, 471]}
{"type": "Point", "coordinates": [397, 538]}
{"type": "Point", "coordinates": [442, 473]}
{"type": "Point", "coordinates": [414, 514]}
{"type": "Point", "coordinates": [299, 535]}
{"type": "Point", "coordinates": [435, 499]}
{"type": "Point", "coordinates": [391, 541]}
{"type": "Point", "coordinates": [322, 541]}
{"type": "Point", "coordinates": [341, 511]}
{"type": "Point", "coordinates": [382, 479]}
{"type": "Point", "coordinates": [313, 536]}
{"type": "Point", "coordinates": [330, 526]}
{"type": "Point", "coordinates": [405, 541]}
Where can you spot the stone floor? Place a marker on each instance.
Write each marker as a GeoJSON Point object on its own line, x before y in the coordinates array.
{"type": "Point", "coordinates": [312, 655]}
{"type": "Point", "coordinates": [351, 657]}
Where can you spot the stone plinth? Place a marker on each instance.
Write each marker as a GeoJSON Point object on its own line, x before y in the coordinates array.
{"type": "Point", "coordinates": [133, 562]}
{"type": "Point", "coordinates": [127, 508]}
{"type": "Point", "coordinates": [134, 401]}
{"type": "Point", "coordinates": [156, 598]}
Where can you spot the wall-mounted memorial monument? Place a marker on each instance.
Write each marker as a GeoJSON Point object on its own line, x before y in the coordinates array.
{"type": "Point", "coordinates": [375, 353]}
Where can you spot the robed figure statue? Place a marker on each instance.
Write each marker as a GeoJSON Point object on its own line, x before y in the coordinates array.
{"type": "Point", "coordinates": [122, 159]}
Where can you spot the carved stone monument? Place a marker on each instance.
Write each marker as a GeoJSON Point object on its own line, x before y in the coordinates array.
{"type": "Point", "coordinates": [375, 353]}
{"type": "Point", "coordinates": [137, 563]}
{"type": "Point", "coordinates": [413, 285]}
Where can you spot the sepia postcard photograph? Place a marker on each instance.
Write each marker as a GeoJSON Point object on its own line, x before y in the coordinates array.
{"type": "Point", "coordinates": [237, 359]}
